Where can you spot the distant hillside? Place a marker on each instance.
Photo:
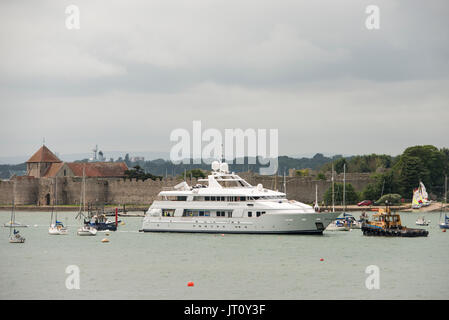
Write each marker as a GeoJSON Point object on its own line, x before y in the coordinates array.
{"type": "Point", "coordinates": [7, 170]}
{"type": "Point", "coordinates": [161, 167]}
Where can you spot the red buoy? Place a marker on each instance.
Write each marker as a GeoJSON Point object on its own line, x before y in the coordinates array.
{"type": "Point", "coordinates": [444, 230]}
{"type": "Point", "coordinates": [321, 259]}
{"type": "Point", "coordinates": [190, 284]}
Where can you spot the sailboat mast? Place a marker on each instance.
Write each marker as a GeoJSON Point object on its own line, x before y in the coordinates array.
{"type": "Point", "coordinates": [84, 188]}
{"type": "Point", "coordinates": [56, 198]}
{"type": "Point", "coordinates": [445, 189]}
{"type": "Point", "coordinates": [333, 193]}
{"type": "Point", "coordinates": [13, 219]}
{"type": "Point", "coordinates": [344, 187]}
{"type": "Point", "coordinates": [285, 185]}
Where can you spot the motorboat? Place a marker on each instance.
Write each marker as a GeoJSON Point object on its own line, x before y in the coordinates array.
{"type": "Point", "coordinates": [421, 221]}
{"type": "Point", "coordinates": [87, 230]}
{"type": "Point", "coordinates": [226, 203]}
{"type": "Point", "coordinates": [339, 225]}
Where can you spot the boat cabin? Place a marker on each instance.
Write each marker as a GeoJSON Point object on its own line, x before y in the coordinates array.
{"type": "Point", "coordinates": [386, 220]}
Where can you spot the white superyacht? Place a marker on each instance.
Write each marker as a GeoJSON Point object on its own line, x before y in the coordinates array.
{"type": "Point", "coordinates": [229, 204]}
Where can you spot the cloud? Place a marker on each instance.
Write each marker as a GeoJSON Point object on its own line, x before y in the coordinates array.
{"type": "Point", "coordinates": [137, 70]}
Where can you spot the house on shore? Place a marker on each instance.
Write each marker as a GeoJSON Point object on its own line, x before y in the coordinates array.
{"type": "Point", "coordinates": [45, 164]}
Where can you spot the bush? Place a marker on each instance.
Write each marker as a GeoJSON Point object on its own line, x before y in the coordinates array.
{"type": "Point", "coordinates": [321, 176]}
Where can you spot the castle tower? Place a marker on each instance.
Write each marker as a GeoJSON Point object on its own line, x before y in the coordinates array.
{"type": "Point", "coordinates": [39, 163]}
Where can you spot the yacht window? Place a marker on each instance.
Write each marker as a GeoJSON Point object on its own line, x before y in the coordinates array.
{"type": "Point", "coordinates": [258, 214]}
{"type": "Point", "coordinates": [190, 213]}
{"type": "Point", "coordinates": [222, 198]}
{"type": "Point", "coordinates": [212, 198]}
{"type": "Point", "coordinates": [207, 198]}
{"type": "Point", "coordinates": [206, 213]}
{"type": "Point", "coordinates": [168, 212]}
{"type": "Point", "coordinates": [229, 214]}
{"type": "Point", "coordinates": [201, 213]}
{"type": "Point", "coordinates": [181, 198]}
{"type": "Point", "coordinates": [250, 214]}
{"type": "Point", "coordinates": [263, 212]}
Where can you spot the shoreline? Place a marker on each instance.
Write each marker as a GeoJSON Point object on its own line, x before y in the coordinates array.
{"type": "Point", "coordinates": [109, 210]}
{"type": "Point", "coordinates": [142, 208]}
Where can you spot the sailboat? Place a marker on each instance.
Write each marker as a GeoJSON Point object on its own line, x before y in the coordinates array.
{"type": "Point", "coordinates": [56, 228]}
{"type": "Point", "coordinates": [444, 224]}
{"type": "Point", "coordinates": [14, 236]}
{"type": "Point", "coordinates": [416, 201]}
{"type": "Point", "coordinates": [340, 224]}
{"type": "Point", "coordinates": [86, 229]}
{"type": "Point", "coordinates": [420, 197]}
{"type": "Point", "coordinates": [424, 196]}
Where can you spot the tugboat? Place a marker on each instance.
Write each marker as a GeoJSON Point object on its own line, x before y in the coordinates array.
{"type": "Point", "coordinates": [387, 224]}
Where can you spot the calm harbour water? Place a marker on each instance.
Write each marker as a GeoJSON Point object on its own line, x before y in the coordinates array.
{"type": "Point", "coordinates": [136, 265]}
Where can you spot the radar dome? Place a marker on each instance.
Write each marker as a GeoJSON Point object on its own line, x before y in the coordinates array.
{"type": "Point", "coordinates": [224, 167]}
{"type": "Point", "coordinates": [215, 165]}
{"type": "Point", "coordinates": [259, 187]}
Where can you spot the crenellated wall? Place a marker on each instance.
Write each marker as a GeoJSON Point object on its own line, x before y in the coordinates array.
{"type": "Point", "coordinates": [41, 191]}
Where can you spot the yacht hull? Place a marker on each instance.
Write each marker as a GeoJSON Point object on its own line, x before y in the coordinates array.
{"type": "Point", "coordinates": [304, 223]}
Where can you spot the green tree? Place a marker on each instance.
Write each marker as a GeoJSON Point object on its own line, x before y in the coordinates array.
{"type": "Point", "coordinates": [139, 174]}
{"type": "Point", "coordinates": [352, 196]}
{"type": "Point", "coordinates": [321, 176]}
{"type": "Point", "coordinates": [194, 173]}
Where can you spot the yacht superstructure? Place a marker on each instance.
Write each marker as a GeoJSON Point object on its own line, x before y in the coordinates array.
{"type": "Point", "coordinates": [229, 204]}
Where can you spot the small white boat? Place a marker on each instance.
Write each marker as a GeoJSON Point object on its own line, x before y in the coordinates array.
{"type": "Point", "coordinates": [57, 229]}
{"type": "Point", "coordinates": [16, 237]}
{"type": "Point", "coordinates": [338, 225]}
{"type": "Point", "coordinates": [421, 221]}
{"type": "Point", "coordinates": [15, 224]}
{"type": "Point", "coordinates": [87, 231]}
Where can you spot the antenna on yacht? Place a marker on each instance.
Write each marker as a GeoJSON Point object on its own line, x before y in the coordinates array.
{"type": "Point", "coordinates": [222, 154]}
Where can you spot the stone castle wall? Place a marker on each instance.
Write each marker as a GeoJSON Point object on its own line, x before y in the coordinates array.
{"type": "Point", "coordinates": [41, 191]}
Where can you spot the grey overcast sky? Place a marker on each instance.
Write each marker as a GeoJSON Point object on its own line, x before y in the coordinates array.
{"type": "Point", "coordinates": [136, 70]}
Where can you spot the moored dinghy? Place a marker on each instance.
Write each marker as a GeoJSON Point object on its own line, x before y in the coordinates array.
{"type": "Point", "coordinates": [56, 228]}
{"type": "Point", "coordinates": [14, 236]}
{"type": "Point", "coordinates": [421, 221]}
{"type": "Point", "coordinates": [87, 230]}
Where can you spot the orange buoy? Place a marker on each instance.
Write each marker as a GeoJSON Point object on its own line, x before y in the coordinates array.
{"type": "Point", "coordinates": [105, 240]}
{"type": "Point", "coordinates": [190, 284]}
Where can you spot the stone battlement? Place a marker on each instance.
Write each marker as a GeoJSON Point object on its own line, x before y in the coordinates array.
{"type": "Point", "coordinates": [42, 191]}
